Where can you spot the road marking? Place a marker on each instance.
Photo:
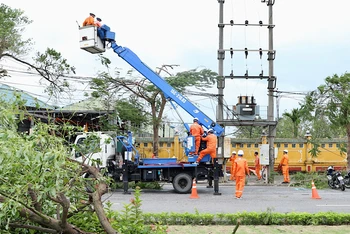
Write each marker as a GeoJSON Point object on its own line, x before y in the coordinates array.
{"type": "Point", "coordinates": [332, 205]}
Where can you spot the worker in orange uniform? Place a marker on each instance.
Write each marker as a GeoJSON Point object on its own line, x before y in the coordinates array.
{"type": "Point", "coordinates": [257, 165]}
{"type": "Point", "coordinates": [232, 160]}
{"type": "Point", "coordinates": [197, 131]}
{"type": "Point", "coordinates": [285, 167]}
{"type": "Point", "coordinates": [240, 169]}
{"type": "Point", "coordinates": [211, 140]}
{"type": "Point", "coordinates": [90, 20]}
{"type": "Point", "coordinates": [98, 22]}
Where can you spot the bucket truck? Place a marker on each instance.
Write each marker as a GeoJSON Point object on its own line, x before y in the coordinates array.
{"type": "Point", "coordinates": [180, 174]}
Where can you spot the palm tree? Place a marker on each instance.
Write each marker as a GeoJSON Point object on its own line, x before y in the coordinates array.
{"type": "Point", "coordinates": [295, 116]}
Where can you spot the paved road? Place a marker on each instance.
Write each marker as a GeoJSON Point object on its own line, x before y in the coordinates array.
{"type": "Point", "coordinates": [256, 197]}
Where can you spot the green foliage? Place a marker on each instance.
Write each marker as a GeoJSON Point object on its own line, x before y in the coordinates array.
{"type": "Point", "coordinates": [146, 92]}
{"type": "Point", "coordinates": [141, 185]}
{"type": "Point", "coordinates": [12, 25]}
{"type": "Point", "coordinates": [27, 164]}
{"type": "Point", "coordinates": [271, 178]}
{"type": "Point", "coordinates": [52, 67]}
{"type": "Point", "coordinates": [131, 109]}
{"type": "Point", "coordinates": [302, 179]}
{"type": "Point", "coordinates": [201, 79]}
{"type": "Point", "coordinates": [284, 128]}
{"type": "Point", "coordinates": [128, 221]}
{"type": "Point", "coordinates": [315, 150]}
{"type": "Point", "coordinates": [131, 220]}
{"type": "Point", "coordinates": [35, 173]}
{"type": "Point", "coordinates": [331, 101]}
{"type": "Point", "coordinates": [87, 221]}
{"type": "Point", "coordinates": [249, 132]}
{"type": "Point", "coordinates": [251, 218]}
{"type": "Point", "coordinates": [295, 116]}
{"type": "Point", "coordinates": [127, 108]}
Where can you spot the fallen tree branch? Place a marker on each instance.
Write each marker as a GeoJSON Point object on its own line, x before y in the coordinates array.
{"type": "Point", "coordinates": [41, 229]}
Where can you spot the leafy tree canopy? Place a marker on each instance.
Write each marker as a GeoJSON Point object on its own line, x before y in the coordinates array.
{"type": "Point", "coordinates": [142, 89]}
{"type": "Point", "coordinates": [41, 186]}
{"type": "Point", "coordinates": [331, 101]}
{"type": "Point", "coordinates": [12, 25]}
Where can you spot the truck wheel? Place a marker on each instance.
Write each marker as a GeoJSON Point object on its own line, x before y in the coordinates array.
{"type": "Point", "coordinates": [182, 183]}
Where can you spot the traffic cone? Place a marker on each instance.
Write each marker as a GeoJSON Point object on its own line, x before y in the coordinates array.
{"type": "Point", "coordinates": [194, 190]}
{"type": "Point", "coordinates": [314, 191]}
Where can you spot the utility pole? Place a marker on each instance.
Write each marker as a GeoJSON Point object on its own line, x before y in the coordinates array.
{"type": "Point", "coordinates": [271, 86]}
{"type": "Point", "coordinates": [220, 110]}
{"type": "Point", "coordinates": [270, 122]}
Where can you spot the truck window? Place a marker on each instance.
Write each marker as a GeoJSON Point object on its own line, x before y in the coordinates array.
{"type": "Point", "coordinates": [80, 141]}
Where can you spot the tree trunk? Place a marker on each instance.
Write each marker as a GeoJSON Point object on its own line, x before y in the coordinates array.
{"type": "Point", "coordinates": [101, 189]}
{"type": "Point", "coordinates": [155, 139]}
{"type": "Point", "coordinates": [295, 130]}
{"type": "Point", "coordinates": [157, 119]}
{"type": "Point", "coordinates": [98, 205]}
{"type": "Point", "coordinates": [50, 223]}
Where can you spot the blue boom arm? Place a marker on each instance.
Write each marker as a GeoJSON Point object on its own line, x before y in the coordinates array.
{"type": "Point", "coordinates": [169, 92]}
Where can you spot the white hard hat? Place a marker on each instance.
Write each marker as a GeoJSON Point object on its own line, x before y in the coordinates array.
{"type": "Point", "coordinates": [240, 152]}
{"type": "Point", "coordinates": [211, 130]}
{"type": "Point", "coordinates": [234, 152]}
{"type": "Point", "coordinates": [286, 151]}
{"type": "Point", "coordinates": [195, 119]}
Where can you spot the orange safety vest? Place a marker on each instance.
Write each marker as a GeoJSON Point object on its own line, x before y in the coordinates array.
{"type": "Point", "coordinates": [240, 167]}
{"type": "Point", "coordinates": [211, 140]}
{"type": "Point", "coordinates": [89, 21]}
{"type": "Point", "coordinates": [284, 160]}
{"type": "Point", "coordinates": [196, 130]}
{"type": "Point", "coordinates": [257, 161]}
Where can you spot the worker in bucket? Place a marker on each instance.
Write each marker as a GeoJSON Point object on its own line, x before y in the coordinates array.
{"type": "Point", "coordinates": [197, 131]}
{"type": "Point", "coordinates": [90, 20]}
{"type": "Point", "coordinates": [211, 140]}
{"type": "Point", "coordinates": [240, 170]}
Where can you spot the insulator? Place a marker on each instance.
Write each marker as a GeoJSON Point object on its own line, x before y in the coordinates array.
{"type": "Point", "coordinates": [260, 52]}
{"type": "Point", "coordinates": [246, 22]}
{"type": "Point", "coordinates": [261, 73]}
{"type": "Point", "coordinates": [260, 22]}
{"type": "Point", "coordinates": [231, 22]}
{"type": "Point", "coordinates": [246, 52]}
{"type": "Point", "coordinates": [246, 73]}
{"type": "Point", "coordinates": [231, 52]}
{"type": "Point", "coordinates": [231, 74]}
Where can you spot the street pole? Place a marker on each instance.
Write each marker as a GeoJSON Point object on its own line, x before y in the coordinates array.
{"type": "Point", "coordinates": [220, 86]}
{"type": "Point", "coordinates": [271, 87]}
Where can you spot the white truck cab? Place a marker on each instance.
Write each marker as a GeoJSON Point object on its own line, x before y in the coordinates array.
{"type": "Point", "coordinates": [106, 151]}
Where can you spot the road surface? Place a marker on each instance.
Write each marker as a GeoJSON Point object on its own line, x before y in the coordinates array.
{"type": "Point", "coordinates": [256, 197]}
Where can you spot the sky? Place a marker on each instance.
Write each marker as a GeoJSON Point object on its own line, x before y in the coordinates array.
{"type": "Point", "coordinates": [311, 39]}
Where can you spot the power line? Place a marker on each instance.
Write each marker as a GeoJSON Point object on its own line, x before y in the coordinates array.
{"type": "Point", "coordinates": [39, 86]}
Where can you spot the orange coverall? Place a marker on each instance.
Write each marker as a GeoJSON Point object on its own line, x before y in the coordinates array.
{"type": "Point", "coordinates": [257, 166]}
{"type": "Point", "coordinates": [232, 160]}
{"type": "Point", "coordinates": [285, 167]}
{"type": "Point", "coordinates": [89, 21]}
{"type": "Point", "coordinates": [197, 131]}
{"type": "Point", "coordinates": [211, 140]}
{"type": "Point", "coordinates": [240, 169]}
